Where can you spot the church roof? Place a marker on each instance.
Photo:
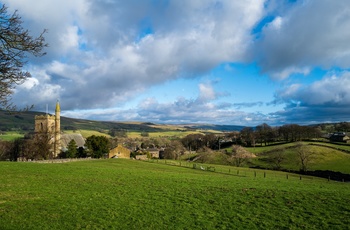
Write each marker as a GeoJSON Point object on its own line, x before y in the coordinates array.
{"type": "Point", "coordinates": [77, 137]}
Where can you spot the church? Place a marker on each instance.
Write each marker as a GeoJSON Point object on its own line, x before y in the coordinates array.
{"type": "Point", "coordinates": [51, 125]}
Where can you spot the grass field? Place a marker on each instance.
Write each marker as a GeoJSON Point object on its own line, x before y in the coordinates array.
{"type": "Point", "coordinates": [165, 134]}
{"type": "Point", "coordinates": [323, 158]}
{"type": "Point", "coordinates": [10, 136]}
{"type": "Point", "coordinates": [175, 133]}
{"type": "Point", "coordinates": [126, 194]}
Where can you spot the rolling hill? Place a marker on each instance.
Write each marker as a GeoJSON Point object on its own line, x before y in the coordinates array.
{"type": "Point", "coordinates": [24, 121]}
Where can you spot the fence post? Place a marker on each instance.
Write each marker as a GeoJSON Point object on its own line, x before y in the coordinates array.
{"type": "Point", "coordinates": [254, 173]}
{"type": "Point", "coordinates": [287, 176]}
{"type": "Point", "coordinates": [264, 174]}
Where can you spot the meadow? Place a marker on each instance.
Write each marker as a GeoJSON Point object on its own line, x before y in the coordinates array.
{"type": "Point", "coordinates": [325, 156]}
{"type": "Point", "coordinates": [10, 136]}
{"type": "Point", "coordinates": [129, 194]}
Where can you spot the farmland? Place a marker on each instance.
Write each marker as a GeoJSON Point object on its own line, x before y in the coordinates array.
{"type": "Point", "coordinates": [127, 194]}
{"type": "Point", "coordinates": [325, 156]}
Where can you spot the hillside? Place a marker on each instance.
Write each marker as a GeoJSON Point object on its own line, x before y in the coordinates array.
{"type": "Point", "coordinates": [24, 121]}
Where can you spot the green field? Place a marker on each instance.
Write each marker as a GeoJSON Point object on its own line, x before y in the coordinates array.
{"type": "Point", "coordinates": [325, 157]}
{"type": "Point", "coordinates": [127, 194]}
{"type": "Point", "coordinates": [10, 136]}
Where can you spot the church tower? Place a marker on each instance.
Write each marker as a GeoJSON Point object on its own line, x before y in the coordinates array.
{"type": "Point", "coordinates": [57, 143]}
{"type": "Point", "coordinates": [50, 125]}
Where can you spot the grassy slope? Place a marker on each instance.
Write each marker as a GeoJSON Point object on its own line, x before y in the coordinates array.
{"type": "Point", "coordinates": [125, 194]}
{"type": "Point", "coordinates": [324, 158]}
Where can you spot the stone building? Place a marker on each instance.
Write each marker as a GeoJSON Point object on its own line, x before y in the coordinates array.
{"type": "Point", "coordinates": [50, 125]}
{"type": "Point", "coordinates": [119, 152]}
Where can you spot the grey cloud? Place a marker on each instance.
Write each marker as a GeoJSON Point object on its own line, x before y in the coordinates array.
{"type": "Point", "coordinates": [311, 115]}
{"type": "Point", "coordinates": [190, 111]}
{"type": "Point", "coordinates": [325, 100]}
{"type": "Point", "coordinates": [247, 104]}
{"type": "Point", "coordinates": [309, 33]}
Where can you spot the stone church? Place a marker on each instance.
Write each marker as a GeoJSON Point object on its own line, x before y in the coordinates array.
{"type": "Point", "coordinates": [51, 125]}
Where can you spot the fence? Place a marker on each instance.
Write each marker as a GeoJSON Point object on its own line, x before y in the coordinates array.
{"type": "Point", "coordinates": [245, 172]}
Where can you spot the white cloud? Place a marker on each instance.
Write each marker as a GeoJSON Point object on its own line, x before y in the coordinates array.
{"type": "Point", "coordinates": [188, 38]}
{"type": "Point", "coordinates": [276, 24]}
{"type": "Point", "coordinates": [207, 92]}
{"type": "Point", "coordinates": [70, 39]}
{"type": "Point", "coordinates": [102, 54]}
{"type": "Point", "coordinates": [332, 90]}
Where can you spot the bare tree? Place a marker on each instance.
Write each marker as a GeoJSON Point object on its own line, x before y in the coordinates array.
{"type": "Point", "coordinates": [15, 45]}
{"type": "Point", "coordinates": [174, 150]}
{"type": "Point", "coordinates": [277, 157]}
{"type": "Point", "coordinates": [239, 156]}
{"type": "Point", "coordinates": [305, 156]}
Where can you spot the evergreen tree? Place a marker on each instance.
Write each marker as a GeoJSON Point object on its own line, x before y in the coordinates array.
{"type": "Point", "coordinates": [72, 149]}
{"type": "Point", "coordinates": [97, 146]}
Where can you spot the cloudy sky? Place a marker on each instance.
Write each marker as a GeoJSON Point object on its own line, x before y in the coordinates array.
{"type": "Point", "coordinates": [235, 62]}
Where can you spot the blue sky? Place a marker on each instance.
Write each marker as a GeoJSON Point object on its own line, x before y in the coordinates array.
{"type": "Point", "coordinates": [243, 62]}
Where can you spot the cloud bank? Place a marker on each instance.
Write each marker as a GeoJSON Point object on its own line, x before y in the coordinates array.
{"type": "Point", "coordinates": [103, 54]}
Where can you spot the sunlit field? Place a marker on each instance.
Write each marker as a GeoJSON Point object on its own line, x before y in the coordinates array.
{"type": "Point", "coordinates": [129, 194]}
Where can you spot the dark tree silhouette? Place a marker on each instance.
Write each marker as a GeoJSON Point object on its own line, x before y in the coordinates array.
{"type": "Point", "coordinates": [15, 46]}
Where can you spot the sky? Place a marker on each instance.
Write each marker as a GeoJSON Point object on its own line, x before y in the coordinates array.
{"type": "Point", "coordinates": [234, 62]}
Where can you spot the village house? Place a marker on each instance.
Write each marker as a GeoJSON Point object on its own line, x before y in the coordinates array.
{"type": "Point", "coordinates": [119, 152]}
{"type": "Point", "coordinates": [154, 152]}
{"type": "Point", "coordinates": [339, 137]}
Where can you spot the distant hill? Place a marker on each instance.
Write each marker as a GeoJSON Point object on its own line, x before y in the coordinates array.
{"type": "Point", "coordinates": [24, 121]}
{"type": "Point", "coordinates": [223, 128]}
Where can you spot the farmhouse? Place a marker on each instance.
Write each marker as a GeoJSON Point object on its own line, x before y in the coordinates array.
{"type": "Point", "coordinates": [154, 152]}
{"type": "Point", "coordinates": [339, 137]}
{"type": "Point", "coordinates": [119, 152]}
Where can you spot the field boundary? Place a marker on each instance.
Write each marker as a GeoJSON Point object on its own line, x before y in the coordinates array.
{"type": "Point", "coordinates": [55, 161]}
{"type": "Point", "coordinates": [236, 171]}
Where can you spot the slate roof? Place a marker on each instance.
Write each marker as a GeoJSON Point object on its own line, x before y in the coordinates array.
{"type": "Point", "coordinates": [77, 137]}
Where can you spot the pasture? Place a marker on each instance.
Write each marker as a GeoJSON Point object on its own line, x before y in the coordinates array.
{"type": "Point", "coordinates": [10, 136]}
{"type": "Point", "coordinates": [325, 156]}
{"type": "Point", "coordinates": [127, 194]}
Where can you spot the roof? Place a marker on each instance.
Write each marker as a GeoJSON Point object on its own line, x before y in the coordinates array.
{"type": "Point", "coordinates": [77, 137]}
